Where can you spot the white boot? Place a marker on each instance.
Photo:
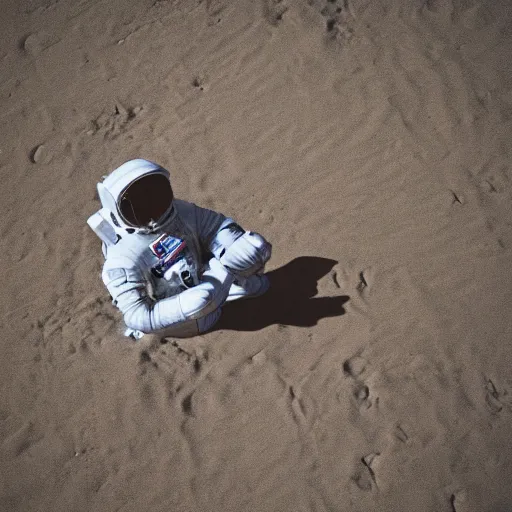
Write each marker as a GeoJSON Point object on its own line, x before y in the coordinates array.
{"type": "Point", "coordinates": [250, 287]}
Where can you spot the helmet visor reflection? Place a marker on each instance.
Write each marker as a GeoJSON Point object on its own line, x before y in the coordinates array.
{"type": "Point", "coordinates": [145, 200]}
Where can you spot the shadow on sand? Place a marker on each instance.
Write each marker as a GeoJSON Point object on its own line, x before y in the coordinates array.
{"type": "Point", "coordinates": [290, 300]}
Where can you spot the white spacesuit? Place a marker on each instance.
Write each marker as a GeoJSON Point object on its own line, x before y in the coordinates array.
{"type": "Point", "coordinates": [169, 264]}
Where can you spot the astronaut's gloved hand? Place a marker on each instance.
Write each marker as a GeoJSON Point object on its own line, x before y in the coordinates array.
{"type": "Point", "coordinates": [247, 255]}
{"type": "Point", "coordinates": [219, 278]}
{"type": "Point", "coordinates": [216, 272]}
{"type": "Point", "coordinates": [209, 294]}
{"type": "Point", "coordinates": [195, 302]}
{"type": "Point", "coordinates": [173, 274]}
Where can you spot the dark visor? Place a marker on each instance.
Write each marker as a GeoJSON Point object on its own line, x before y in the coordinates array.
{"type": "Point", "coordinates": [145, 200]}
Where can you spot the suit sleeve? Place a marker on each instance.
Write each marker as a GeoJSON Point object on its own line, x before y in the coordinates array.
{"type": "Point", "coordinates": [216, 231]}
{"type": "Point", "coordinates": [128, 288]}
{"type": "Point", "coordinates": [209, 224]}
{"type": "Point", "coordinates": [242, 253]}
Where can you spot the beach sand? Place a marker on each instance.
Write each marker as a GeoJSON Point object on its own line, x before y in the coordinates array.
{"type": "Point", "coordinates": [370, 142]}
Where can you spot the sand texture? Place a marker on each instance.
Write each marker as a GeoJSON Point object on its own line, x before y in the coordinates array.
{"type": "Point", "coordinates": [371, 143]}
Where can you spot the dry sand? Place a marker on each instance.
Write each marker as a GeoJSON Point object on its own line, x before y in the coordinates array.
{"type": "Point", "coordinates": [371, 143]}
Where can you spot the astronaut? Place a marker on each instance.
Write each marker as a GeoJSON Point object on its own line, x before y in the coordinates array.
{"type": "Point", "coordinates": [169, 264]}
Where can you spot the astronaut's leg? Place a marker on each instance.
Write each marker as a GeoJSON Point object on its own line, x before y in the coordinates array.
{"type": "Point", "coordinates": [247, 255]}
{"type": "Point", "coordinates": [191, 328]}
{"type": "Point", "coordinates": [207, 322]}
{"type": "Point", "coordinates": [248, 287]}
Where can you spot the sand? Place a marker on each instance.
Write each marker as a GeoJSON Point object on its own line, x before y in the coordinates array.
{"type": "Point", "coordinates": [370, 142]}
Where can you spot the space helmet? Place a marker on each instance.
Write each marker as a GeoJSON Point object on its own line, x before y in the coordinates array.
{"type": "Point", "coordinates": [138, 195]}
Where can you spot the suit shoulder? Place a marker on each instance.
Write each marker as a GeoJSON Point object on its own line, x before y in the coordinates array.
{"type": "Point", "coordinates": [184, 206]}
{"type": "Point", "coordinates": [126, 253]}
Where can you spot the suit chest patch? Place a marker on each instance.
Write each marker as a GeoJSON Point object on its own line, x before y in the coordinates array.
{"type": "Point", "coordinates": [168, 249]}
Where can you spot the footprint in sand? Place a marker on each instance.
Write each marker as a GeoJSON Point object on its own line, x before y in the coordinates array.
{"type": "Point", "coordinates": [457, 198]}
{"type": "Point", "coordinates": [363, 286]}
{"type": "Point", "coordinates": [114, 122]}
{"type": "Point", "coordinates": [144, 357]}
{"type": "Point", "coordinates": [365, 478]}
{"type": "Point", "coordinates": [186, 405]}
{"type": "Point", "coordinates": [273, 11]}
{"type": "Point", "coordinates": [40, 154]}
{"type": "Point", "coordinates": [489, 186]}
{"type": "Point", "coordinates": [351, 277]}
{"type": "Point", "coordinates": [335, 279]}
{"type": "Point", "coordinates": [362, 396]}
{"type": "Point", "coordinates": [460, 503]}
{"type": "Point", "coordinates": [199, 82]}
{"type": "Point", "coordinates": [24, 438]}
{"type": "Point", "coordinates": [36, 43]}
{"type": "Point", "coordinates": [493, 397]}
{"type": "Point", "coordinates": [401, 434]}
{"type": "Point", "coordinates": [353, 368]}
{"type": "Point", "coordinates": [495, 179]}
{"type": "Point", "coordinates": [187, 358]}
{"type": "Point", "coordinates": [338, 16]}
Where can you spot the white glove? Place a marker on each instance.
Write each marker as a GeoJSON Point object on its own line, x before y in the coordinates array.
{"type": "Point", "coordinates": [194, 301]}
{"type": "Point", "coordinates": [247, 255]}
{"type": "Point", "coordinates": [209, 294]}
{"type": "Point", "coordinates": [173, 273]}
